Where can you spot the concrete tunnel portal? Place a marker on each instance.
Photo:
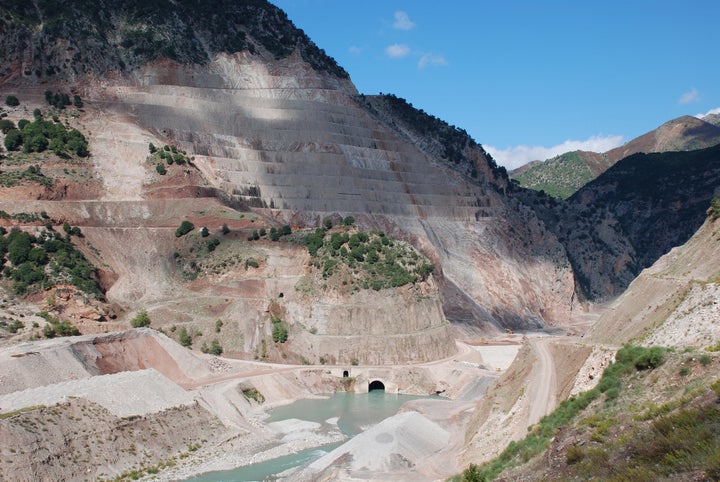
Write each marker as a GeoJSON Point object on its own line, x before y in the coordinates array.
{"type": "Point", "coordinates": [376, 385]}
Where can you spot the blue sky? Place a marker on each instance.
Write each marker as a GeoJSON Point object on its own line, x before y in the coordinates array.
{"type": "Point", "coordinates": [529, 79]}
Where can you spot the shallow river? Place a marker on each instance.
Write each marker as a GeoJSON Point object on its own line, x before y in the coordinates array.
{"type": "Point", "coordinates": [355, 412]}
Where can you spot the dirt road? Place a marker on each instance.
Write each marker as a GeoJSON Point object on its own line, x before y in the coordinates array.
{"type": "Point", "coordinates": [543, 385]}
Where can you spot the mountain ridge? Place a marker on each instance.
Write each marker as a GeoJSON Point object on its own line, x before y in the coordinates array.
{"type": "Point", "coordinates": [565, 174]}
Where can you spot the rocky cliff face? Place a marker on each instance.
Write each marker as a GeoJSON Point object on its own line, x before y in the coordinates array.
{"type": "Point", "coordinates": [627, 218]}
{"type": "Point", "coordinates": [276, 127]}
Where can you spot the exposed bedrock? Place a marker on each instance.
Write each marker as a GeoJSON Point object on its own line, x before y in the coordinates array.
{"type": "Point", "coordinates": [302, 147]}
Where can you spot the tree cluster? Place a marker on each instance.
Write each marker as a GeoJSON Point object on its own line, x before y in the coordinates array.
{"type": "Point", "coordinates": [60, 99]}
{"type": "Point", "coordinates": [37, 262]}
{"type": "Point", "coordinates": [273, 235]}
{"type": "Point", "coordinates": [41, 134]}
{"type": "Point", "coordinates": [376, 261]}
{"type": "Point", "coordinates": [166, 156]}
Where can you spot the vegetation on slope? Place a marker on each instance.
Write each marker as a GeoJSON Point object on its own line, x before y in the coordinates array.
{"type": "Point", "coordinates": [36, 262]}
{"type": "Point", "coordinates": [559, 177]}
{"type": "Point", "coordinates": [165, 157]}
{"type": "Point", "coordinates": [83, 36]}
{"type": "Point", "coordinates": [622, 436]}
{"type": "Point", "coordinates": [451, 144]}
{"type": "Point", "coordinates": [365, 260]}
{"type": "Point", "coordinates": [42, 134]}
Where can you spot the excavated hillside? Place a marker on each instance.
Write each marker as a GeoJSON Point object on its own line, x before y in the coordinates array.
{"type": "Point", "coordinates": [289, 137]}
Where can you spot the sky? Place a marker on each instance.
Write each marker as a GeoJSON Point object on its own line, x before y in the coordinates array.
{"type": "Point", "coordinates": [529, 79]}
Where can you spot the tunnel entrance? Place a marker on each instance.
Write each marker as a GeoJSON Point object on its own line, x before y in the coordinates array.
{"type": "Point", "coordinates": [376, 385]}
{"type": "Point", "coordinates": [346, 374]}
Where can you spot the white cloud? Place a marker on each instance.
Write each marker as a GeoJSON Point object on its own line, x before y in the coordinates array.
{"type": "Point", "coordinates": [397, 51]}
{"type": "Point", "coordinates": [355, 50]}
{"type": "Point", "coordinates": [517, 156]}
{"type": "Point", "coordinates": [402, 21]}
{"type": "Point", "coordinates": [716, 110]}
{"type": "Point", "coordinates": [431, 59]}
{"type": "Point", "coordinates": [689, 97]}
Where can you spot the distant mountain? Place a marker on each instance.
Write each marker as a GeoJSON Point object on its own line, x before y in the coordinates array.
{"type": "Point", "coordinates": [629, 216]}
{"type": "Point", "coordinates": [563, 175]}
{"type": "Point", "coordinates": [713, 119]}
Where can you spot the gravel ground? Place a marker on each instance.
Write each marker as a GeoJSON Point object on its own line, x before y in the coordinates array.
{"type": "Point", "coordinates": [123, 394]}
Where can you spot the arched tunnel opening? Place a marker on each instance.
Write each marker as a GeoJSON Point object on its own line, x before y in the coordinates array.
{"type": "Point", "coordinates": [376, 385]}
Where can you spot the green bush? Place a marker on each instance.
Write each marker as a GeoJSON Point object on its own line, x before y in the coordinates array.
{"type": "Point", "coordinates": [714, 211]}
{"type": "Point", "coordinates": [212, 244]}
{"type": "Point", "coordinates": [184, 228]}
{"type": "Point", "coordinates": [13, 140]}
{"type": "Point", "coordinates": [279, 331]}
{"type": "Point", "coordinates": [141, 320]}
{"type": "Point", "coordinates": [12, 101]}
{"type": "Point", "coordinates": [214, 349]}
{"type": "Point", "coordinates": [160, 168]}
{"type": "Point", "coordinates": [6, 126]}
{"type": "Point", "coordinates": [650, 358]}
{"type": "Point", "coordinates": [574, 454]}
{"type": "Point", "coordinates": [184, 337]}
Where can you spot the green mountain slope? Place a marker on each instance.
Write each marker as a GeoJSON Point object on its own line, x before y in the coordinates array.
{"type": "Point", "coordinates": [563, 175]}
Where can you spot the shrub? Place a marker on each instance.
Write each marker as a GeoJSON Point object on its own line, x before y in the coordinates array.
{"type": "Point", "coordinates": [348, 221]}
{"type": "Point", "coordinates": [6, 126]}
{"type": "Point", "coordinates": [218, 326]}
{"type": "Point", "coordinates": [574, 454]}
{"type": "Point", "coordinates": [214, 349]}
{"type": "Point", "coordinates": [12, 101]}
{"type": "Point", "coordinates": [212, 244]}
{"type": "Point", "coordinates": [714, 210]}
{"type": "Point", "coordinates": [184, 228]}
{"type": "Point", "coordinates": [184, 337]}
{"type": "Point", "coordinates": [13, 140]}
{"type": "Point", "coordinates": [279, 331]}
{"type": "Point", "coordinates": [225, 229]}
{"type": "Point", "coordinates": [160, 168]}
{"type": "Point", "coordinates": [204, 232]}
{"type": "Point", "coordinates": [141, 320]}
{"type": "Point", "coordinates": [650, 358]}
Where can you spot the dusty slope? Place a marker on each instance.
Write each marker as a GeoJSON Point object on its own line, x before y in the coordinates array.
{"type": "Point", "coordinates": [540, 377]}
{"type": "Point", "coordinates": [672, 302]}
